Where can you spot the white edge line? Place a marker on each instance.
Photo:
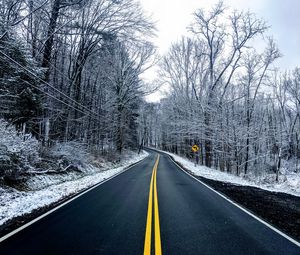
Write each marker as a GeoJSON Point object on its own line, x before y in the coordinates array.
{"type": "Point", "coordinates": [237, 205]}
{"type": "Point", "coordinates": [67, 202]}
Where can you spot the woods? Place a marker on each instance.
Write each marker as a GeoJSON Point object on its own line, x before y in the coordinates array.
{"type": "Point", "coordinates": [70, 70]}
{"type": "Point", "coordinates": [227, 97]}
{"type": "Point", "coordinates": [122, 117]}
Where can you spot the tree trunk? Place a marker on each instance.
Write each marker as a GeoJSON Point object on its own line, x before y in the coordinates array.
{"type": "Point", "coordinates": [247, 154]}
{"type": "Point", "coordinates": [47, 60]}
{"type": "Point", "coordinates": [207, 142]}
{"type": "Point", "coordinates": [50, 38]}
{"type": "Point", "coordinates": [278, 165]}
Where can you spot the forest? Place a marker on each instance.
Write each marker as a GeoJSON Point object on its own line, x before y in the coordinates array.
{"type": "Point", "coordinates": [70, 71]}
{"type": "Point", "coordinates": [228, 97]}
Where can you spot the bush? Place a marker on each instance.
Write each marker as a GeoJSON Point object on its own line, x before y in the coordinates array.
{"type": "Point", "coordinates": [18, 152]}
{"type": "Point", "coordinates": [73, 153]}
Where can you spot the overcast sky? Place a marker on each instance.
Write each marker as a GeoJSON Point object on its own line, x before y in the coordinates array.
{"type": "Point", "coordinates": [173, 16]}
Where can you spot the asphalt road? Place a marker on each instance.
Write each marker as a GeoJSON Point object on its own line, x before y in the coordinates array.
{"type": "Point", "coordinates": [121, 216]}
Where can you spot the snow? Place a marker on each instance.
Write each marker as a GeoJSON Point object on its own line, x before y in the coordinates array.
{"type": "Point", "coordinates": [14, 142]}
{"type": "Point", "coordinates": [26, 146]}
{"type": "Point", "coordinates": [288, 183]}
{"type": "Point", "coordinates": [15, 203]}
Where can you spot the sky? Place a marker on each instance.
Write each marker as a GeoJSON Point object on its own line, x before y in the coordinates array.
{"type": "Point", "coordinates": [174, 16]}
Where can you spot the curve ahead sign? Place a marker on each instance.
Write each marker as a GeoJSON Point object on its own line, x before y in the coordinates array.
{"type": "Point", "coordinates": [195, 148]}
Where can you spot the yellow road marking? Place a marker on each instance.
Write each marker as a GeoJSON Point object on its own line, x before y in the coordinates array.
{"type": "Point", "coordinates": [147, 245]}
{"type": "Point", "coordinates": [156, 217]}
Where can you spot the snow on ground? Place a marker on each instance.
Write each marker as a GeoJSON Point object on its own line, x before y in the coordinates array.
{"type": "Point", "coordinates": [15, 203]}
{"type": "Point", "coordinates": [288, 183]}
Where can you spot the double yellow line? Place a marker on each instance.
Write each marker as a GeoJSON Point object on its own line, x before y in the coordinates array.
{"type": "Point", "coordinates": [148, 236]}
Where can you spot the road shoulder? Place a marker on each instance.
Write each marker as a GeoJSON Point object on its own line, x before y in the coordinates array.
{"type": "Point", "coordinates": [17, 223]}
{"type": "Point", "coordinates": [280, 210]}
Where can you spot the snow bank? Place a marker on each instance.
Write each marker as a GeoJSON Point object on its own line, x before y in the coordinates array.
{"type": "Point", "coordinates": [15, 203]}
{"type": "Point", "coordinates": [288, 183]}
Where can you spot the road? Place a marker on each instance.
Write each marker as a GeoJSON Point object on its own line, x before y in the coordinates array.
{"type": "Point", "coordinates": [178, 216]}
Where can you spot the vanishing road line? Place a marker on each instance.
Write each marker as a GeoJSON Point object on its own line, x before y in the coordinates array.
{"type": "Point", "coordinates": [156, 216]}
{"type": "Point", "coordinates": [148, 236]}
{"type": "Point", "coordinates": [147, 246]}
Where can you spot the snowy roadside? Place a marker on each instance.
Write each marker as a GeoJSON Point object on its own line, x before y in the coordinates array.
{"type": "Point", "coordinates": [14, 203]}
{"type": "Point", "coordinates": [288, 183]}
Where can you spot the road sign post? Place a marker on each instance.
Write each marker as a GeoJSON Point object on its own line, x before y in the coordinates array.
{"type": "Point", "coordinates": [195, 149]}
{"type": "Point", "coordinates": [197, 159]}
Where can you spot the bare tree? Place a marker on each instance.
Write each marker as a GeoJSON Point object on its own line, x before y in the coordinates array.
{"type": "Point", "coordinates": [225, 44]}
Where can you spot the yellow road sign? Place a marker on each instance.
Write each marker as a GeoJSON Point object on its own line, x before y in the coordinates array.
{"type": "Point", "coordinates": [195, 148]}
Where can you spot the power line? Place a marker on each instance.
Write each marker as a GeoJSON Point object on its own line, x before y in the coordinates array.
{"type": "Point", "coordinates": [63, 102]}
{"type": "Point", "coordinates": [52, 96]}
{"type": "Point", "coordinates": [48, 84]}
{"type": "Point", "coordinates": [62, 74]}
